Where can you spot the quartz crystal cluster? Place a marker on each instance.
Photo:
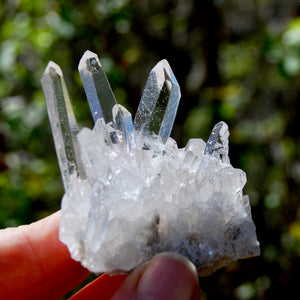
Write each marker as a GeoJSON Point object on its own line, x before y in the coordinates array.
{"type": "Point", "coordinates": [130, 192]}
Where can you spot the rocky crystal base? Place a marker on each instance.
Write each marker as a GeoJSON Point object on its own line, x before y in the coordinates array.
{"type": "Point", "coordinates": [130, 193]}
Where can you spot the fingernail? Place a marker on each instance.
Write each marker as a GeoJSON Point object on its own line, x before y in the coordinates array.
{"type": "Point", "coordinates": [168, 276]}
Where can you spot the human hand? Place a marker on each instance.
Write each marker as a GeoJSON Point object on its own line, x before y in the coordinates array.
{"type": "Point", "coordinates": [34, 264]}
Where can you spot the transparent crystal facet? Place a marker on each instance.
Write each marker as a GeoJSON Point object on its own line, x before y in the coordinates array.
{"type": "Point", "coordinates": [217, 144]}
{"type": "Point", "coordinates": [63, 123]}
{"type": "Point", "coordinates": [123, 121]}
{"type": "Point", "coordinates": [97, 88]}
{"type": "Point", "coordinates": [158, 107]}
{"type": "Point", "coordinates": [196, 146]}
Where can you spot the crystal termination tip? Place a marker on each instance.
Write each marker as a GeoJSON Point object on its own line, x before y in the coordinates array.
{"type": "Point", "coordinates": [85, 57]}
{"type": "Point", "coordinates": [53, 66]}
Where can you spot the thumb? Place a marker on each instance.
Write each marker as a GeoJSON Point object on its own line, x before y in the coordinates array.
{"type": "Point", "coordinates": [166, 276]}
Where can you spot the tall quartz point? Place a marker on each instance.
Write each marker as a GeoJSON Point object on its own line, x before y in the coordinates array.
{"type": "Point", "coordinates": [102, 100]}
{"type": "Point", "coordinates": [97, 88]}
{"type": "Point", "coordinates": [158, 107]}
{"type": "Point", "coordinates": [63, 123]}
{"type": "Point", "coordinates": [141, 194]}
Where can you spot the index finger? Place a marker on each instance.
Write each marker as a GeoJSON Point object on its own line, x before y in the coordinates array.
{"type": "Point", "coordinates": [35, 264]}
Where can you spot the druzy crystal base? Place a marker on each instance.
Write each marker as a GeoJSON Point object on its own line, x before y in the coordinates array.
{"type": "Point", "coordinates": [130, 193]}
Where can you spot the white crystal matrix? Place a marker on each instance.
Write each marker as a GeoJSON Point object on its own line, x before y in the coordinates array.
{"type": "Point", "coordinates": [134, 204]}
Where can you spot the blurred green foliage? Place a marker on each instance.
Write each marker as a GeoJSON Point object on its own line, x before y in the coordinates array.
{"type": "Point", "coordinates": [236, 60]}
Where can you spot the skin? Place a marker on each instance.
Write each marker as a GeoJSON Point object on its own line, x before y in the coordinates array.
{"type": "Point", "coordinates": [34, 264]}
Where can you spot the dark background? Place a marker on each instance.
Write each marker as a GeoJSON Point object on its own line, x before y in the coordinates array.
{"type": "Point", "coordinates": [236, 60]}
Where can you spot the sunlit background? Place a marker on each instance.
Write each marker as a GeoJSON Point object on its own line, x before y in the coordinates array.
{"type": "Point", "coordinates": [236, 60]}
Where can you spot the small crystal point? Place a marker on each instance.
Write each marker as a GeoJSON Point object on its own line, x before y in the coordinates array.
{"type": "Point", "coordinates": [217, 144]}
{"type": "Point", "coordinates": [107, 131]}
{"type": "Point", "coordinates": [97, 88]}
{"type": "Point", "coordinates": [158, 107]}
{"type": "Point", "coordinates": [123, 121]}
{"type": "Point", "coordinates": [196, 146]}
{"type": "Point", "coordinates": [63, 123]}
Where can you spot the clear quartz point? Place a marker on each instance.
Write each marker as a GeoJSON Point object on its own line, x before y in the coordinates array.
{"type": "Point", "coordinates": [97, 88]}
{"type": "Point", "coordinates": [63, 123]}
{"type": "Point", "coordinates": [158, 107]}
{"type": "Point", "coordinates": [196, 146]}
{"type": "Point", "coordinates": [123, 121]}
{"type": "Point", "coordinates": [217, 144]}
{"type": "Point", "coordinates": [107, 131]}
